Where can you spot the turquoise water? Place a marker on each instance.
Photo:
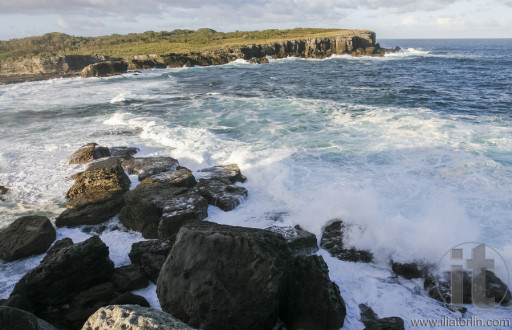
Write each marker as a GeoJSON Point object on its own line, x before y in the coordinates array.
{"type": "Point", "coordinates": [415, 148]}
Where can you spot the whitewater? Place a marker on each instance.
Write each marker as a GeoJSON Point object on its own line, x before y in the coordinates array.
{"type": "Point", "coordinates": [414, 149]}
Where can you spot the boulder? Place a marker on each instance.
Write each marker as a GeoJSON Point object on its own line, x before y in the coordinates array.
{"type": "Point", "coordinates": [96, 195]}
{"type": "Point", "coordinates": [60, 244]}
{"type": "Point", "coordinates": [229, 172]}
{"type": "Point", "coordinates": [124, 153]}
{"type": "Point", "coordinates": [224, 277]}
{"type": "Point", "coordinates": [129, 278]}
{"type": "Point", "coordinates": [129, 298]}
{"type": "Point", "coordinates": [16, 319]}
{"type": "Point", "coordinates": [151, 256]}
{"type": "Point", "coordinates": [372, 322]}
{"type": "Point", "coordinates": [25, 237]}
{"type": "Point", "coordinates": [311, 300]}
{"type": "Point", "coordinates": [131, 317]}
{"type": "Point", "coordinates": [410, 270]}
{"type": "Point", "coordinates": [98, 295]}
{"type": "Point", "coordinates": [181, 177]}
{"type": "Point", "coordinates": [65, 273]}
{"type": "Point", "coordinates": [332, 241]}
{"type": "Point", "coordinates": [145, 167]}
{"type": "Point", "coordinates": [3, 190]}
{"type": "Point", "coordinates": [221, 193]}
{"type": "Point", "coordinates": [159, 210]}
{"type": "Point", "coordinates": [104, 69]}
{"type": "Point", "coordinates": [301, 242]}
{"type": "Point", "coordinates": [87, 153]}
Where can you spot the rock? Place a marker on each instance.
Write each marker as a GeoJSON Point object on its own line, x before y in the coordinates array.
{"type": "Point", "coordinates": [229, 172]}
{"type": "Point", "coordinates": [372, 322]}
{"type": "Point", "coordinates": [60, 244]}
{"type": "Point", "coordinates": [145, 167]}
{"type": "Point", "coordinates": [65, 273]}
{"type": "Point", "coordinates": [96, 195]}
{"type": "Point", "coordinates": [311, 301]}
{"type": "Point", "coordinates": [104, 69]}
{"type": "Point", "coordinates": [130, 317]}
{"type": "Point", "coordinates": [3, 190]}
{"type": "Point", "coordinates": [410, 270]}
{"type": "Point", "coordinates": [219, 193]}
{"type": "Point", "coordinates": [129, 298]}
{"type": "Point", "coordinates": [124, 153]}
{"type": "Point", "coordinates": [87, 153]}
{"type": "Point", "coordinates": [159, 210]}
{"type": "Point", "coordinates": [100, 294]}
{"type": "Point", "coordinates": [224, 277]}
{"type": "Point", "coordinates": [150, 256]}
{"type": "Point", "coordinates": [332, 241]}
{"type": "Point", "coordinates": [440, 289]}
{"type": "Point", "coordinates": [129, 278]}
{"type": "Point", "coordinates": [301, 242]}
{"type": "Point", "coordinates": [25, 237]}
{"type": "Point", "coordinates": [16, 319]}
{"type": "Point", "coordinates": [19, 302]}
{"type": "Point", "coordinates": [181, 177]}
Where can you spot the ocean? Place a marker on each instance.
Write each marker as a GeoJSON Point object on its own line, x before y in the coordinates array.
{"type": "Point", "coordinates": [414, 149]}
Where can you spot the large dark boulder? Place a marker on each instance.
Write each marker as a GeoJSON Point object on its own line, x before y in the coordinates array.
{"type": "Point", "coordinates": [301, 242]}
{"type": "Point", "coordinates": [96, 195]}
{"type": "Point", "coordinates": [221, 193]}
{"type": "Point", "coordinates": [372, 322]}
{"type": "Point", "coordinates": [104, 69]}
{"type": "Point", "coordinates": [148, 166]}
{"type": "Point", "coordinates": [3, 190]}
{"type": "Point", "coordinates": [64, 273]}
{"type": "Point", "coordinates": [410, 270]}
{"type": "Point", "coordinates": [124, 153]}
{"type": "Point", "coordinates": [181, 177]}
{"type": "Point", "coordinates": [129, 298]}
{"type": "Point", "coordinates": [311, 300]}
{"type": "Point", "coordinates": [224, 277]}
{"type": "Point", "coordinates": [332, 241]}
{"type": "Point", "coordinates": [158, 210]}
{"type": "Point", "coordinates": [16, 319]}
{"type": "Point", "coordinates": [87, 153]}
{"type": "Point", "coordinates": [129, 278]}
{"type": "Point", "coordinates": [132, 317]}
{"type": "Point", "coordinates": [26, 236]}
{"type": "Point", "coordinates": [229, 172]}
{"type": "Point", "coordinates": [151, 256]}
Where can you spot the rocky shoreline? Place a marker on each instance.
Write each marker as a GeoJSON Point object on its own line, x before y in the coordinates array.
{"type": "Point", "coordinates": [41, 68]}
{"type": "Point", "coordinates": [208, 276]}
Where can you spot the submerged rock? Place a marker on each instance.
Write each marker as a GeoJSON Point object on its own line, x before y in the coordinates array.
{"type": "Point", "coordinates": [132, 317]}
{"type": "Point", "coordinates": [301, 242]}
{"type": "Point", "coordinates": [146, 167]}
{"type": "Point", "coordinates": [87, 153]}
{"type": "Point", "coordinates": [124, 153]}
{"type": "Point", "coordinates": [372, 321]}
{"type": "Point", "coordinates": [96, 195]}
{"type": "Point", "coordinates": [16, 319]}
{"type": "Point", "coordinates": [25, 237]}
{"type": "Point", "coordinates": [151, 256]}
{"type": "Point", "coordinates": [332, 241]}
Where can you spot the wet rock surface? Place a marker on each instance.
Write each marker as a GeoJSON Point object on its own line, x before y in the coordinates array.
{"type": "Point", "coordinates": [411, 270]}
{"type": "Point", "coordinates": [148, 166]}
{"type": "Point", "coordinates": [373, 322]}
{"type": "Point", "coordinates": [332, 241]}
{"type": "Point", "coordinates": [221, 194]}
{"type": "Point", "coordinates": [151, 256]}
{"type": "Point", "coordinates": [124, 153]}
{"type": "Point", "coordinates": [301, 242]}
{"type": "Point", "coordinates": [87, 153]}
{"type": "Point", "coordinates": [16, 319]}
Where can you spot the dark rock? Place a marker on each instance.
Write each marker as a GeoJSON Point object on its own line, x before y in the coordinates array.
{"type": "Point", "coordinates": [410, 270]}
{"type": "Point", "coordinates": [104, 69]}
{"type": "Point", "coordinates": [439, 288]}
{"type": "Point", "coordinates": [372, 322]}
{"type": "Point", "coordinates": [181, 177]}
{"type": "Point", "coordinates": [96, 195]}
{"type": "Point", "coordinates": [124, 153]}
{"type": "Point", "coordinates": [3, 190]}
{"type": "Point", "coordinates": [151, 255]}
{"type": "Point", "coordinates": [219, 193]}
{"type": "Point", "coordinates": [129, 278]}
{"type": "Point", "coordinates": [301, 242]}
{"type": "Point", "coordinates": [145, 167]}
{"type": "Point", "coordinates": [311, 301]}
{"type": "Point", "coordinates": [25, 237]}
{"type": "Point", "coordinates": [19, 302]}
{"type": "Point", "coordinates": [60, 244]}
{"type": "Point", "coordinates": [229, 172]}
{"type": "Point", "coordinates": [133, 318]}
{"type": "Point", "coordinates": [129, 298]}
{"type": "Point", "coordinates": [100, 294]}
{"type": "Point", "coordinates": [159, 210]}
{"type": "Point", "coordinates": [224, 277]}
{"type": "Point", "coordinates": [16, 319]}
{"type": "Point", "coordinates": [332, 241]}
{"type": "Point", "coordinates": [65, 273]}
{"type": "Point", "coordinates": [87, 153]}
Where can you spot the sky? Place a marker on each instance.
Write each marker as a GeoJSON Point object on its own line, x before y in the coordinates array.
{"type": "Point", "coordinates": [390, 19]}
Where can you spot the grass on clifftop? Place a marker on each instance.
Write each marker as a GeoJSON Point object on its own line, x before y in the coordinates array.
{"type": "Point", "coordinates": [150, 42]}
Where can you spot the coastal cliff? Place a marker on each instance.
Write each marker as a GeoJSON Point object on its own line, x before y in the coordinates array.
{"type": "Point", "coordinates": [360, 43]}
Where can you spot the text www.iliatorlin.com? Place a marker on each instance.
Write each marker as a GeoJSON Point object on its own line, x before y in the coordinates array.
{"type": "Point", "coordinates": [450, 322]}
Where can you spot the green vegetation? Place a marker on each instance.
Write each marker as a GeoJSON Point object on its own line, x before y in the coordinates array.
{"type": "Point", "coordinates": [150, 42]}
